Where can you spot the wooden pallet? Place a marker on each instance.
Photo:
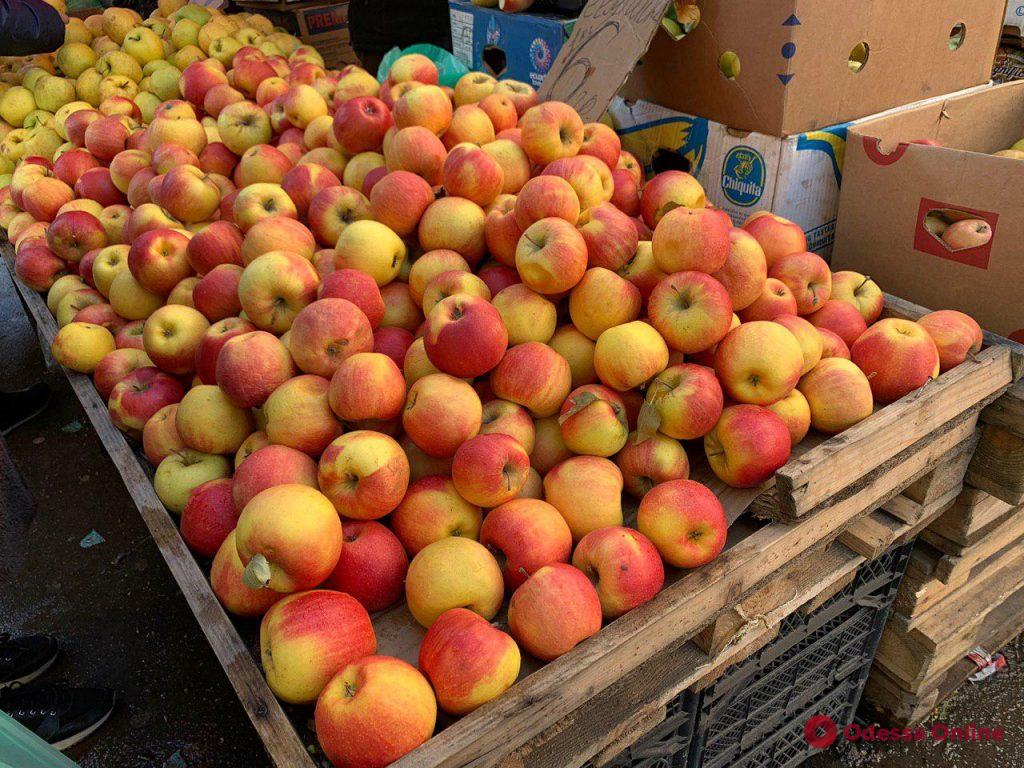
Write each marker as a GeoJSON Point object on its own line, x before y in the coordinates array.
{"type": "Point", "coordinates": [902, 518]}
{"type": "Point", "coordinates": [973, 515]}
{"type": "Point", "coordinates": [998, 463]}
{"type": "Point", "coordinates": [912, 652]}
{"type": "Point", "coordinates": [896, 702]}
{"type": "Point", "coordinates": [595, 698]}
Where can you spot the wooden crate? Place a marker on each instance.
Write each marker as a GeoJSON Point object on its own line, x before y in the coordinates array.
{"type": "Point", "coordinates": [608, 691]}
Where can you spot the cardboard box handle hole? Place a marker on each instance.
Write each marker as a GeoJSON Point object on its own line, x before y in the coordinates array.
{"type": "Point", "coordinates": [957, 35]}
{"type": "Point", "coordinates": [858, 58]}
{"type": "Point", "coordinates": [729, 65]}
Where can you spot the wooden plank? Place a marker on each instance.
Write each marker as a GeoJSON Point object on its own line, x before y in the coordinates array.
{"type": "Point", "coordinates": [631, 730]}
{"type": "Point", "coordinates": [902, 508]}
{"type": "Point", "coordinates": [804, 578]}
{"type": "Point", "coordinates": [272, 724]}
{"type": "Point", "coordinates": [949, 566]}
{"type": "Point", "coordinates": [934, 594]}
{"type": "Point", "coordinates": [1007, 411]}
{"type": "Point", "coordinates": [527, 709]}
{"type": "Point", "coordinates": [806, 482]}
{"type": "Point", "coordinates": [872, 534]}
{"type": "Point", "coordinates": [608, 39]}
{"type": "Point", "coordinates": [998, 464]}
{"type": "Point", "coordinates": [897, 521]}
{"type": "Point", "coordinates": [931, 514]}
{"type": "Point", "coordinates": [972, 512]}
{"type": "Point", "coordinates": [909, 708]}
{"type": "Point", "coordinates": [944, 478]}
{"type": "Point", "coordinates": [911, 656]}
{"type": "Point", "coordinates": [889, 703]}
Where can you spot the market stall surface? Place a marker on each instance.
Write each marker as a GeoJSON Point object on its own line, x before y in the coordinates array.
{"type": "Point", "coordinates": [90, 573]}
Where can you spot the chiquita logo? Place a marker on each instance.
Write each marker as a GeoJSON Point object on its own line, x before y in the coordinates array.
{"type": "Point", "coordinates": [743, 176]}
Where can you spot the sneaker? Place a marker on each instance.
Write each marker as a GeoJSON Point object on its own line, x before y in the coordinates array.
{"type": "Point", "coordinates": [58, 714]}
{"type": "Point", "coordinates": [22, 405]}
{"type": "Point", "coordinates": [23, 659]}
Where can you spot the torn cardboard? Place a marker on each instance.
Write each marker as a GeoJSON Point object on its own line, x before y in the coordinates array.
{"type": "Point", "coordinates": [891, 188]}
{"type": "Point", "coordinates": [609, 37]}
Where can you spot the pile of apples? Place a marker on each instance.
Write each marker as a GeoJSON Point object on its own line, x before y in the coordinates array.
{"type": "Point", "coordinates": [387, 341]}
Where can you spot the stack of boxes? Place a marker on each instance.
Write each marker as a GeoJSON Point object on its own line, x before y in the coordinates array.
{"type": "Point", "coordinates": [315, 22]}
{"type": "Point", "coordinates": [758, 99]}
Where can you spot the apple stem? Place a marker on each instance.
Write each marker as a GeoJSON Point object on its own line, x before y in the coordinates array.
{"type": "Point", "coordinates": [257, 573]}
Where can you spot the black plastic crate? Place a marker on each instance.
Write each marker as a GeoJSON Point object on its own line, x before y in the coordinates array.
{"type": "Point", "coordinates": [754, 716]}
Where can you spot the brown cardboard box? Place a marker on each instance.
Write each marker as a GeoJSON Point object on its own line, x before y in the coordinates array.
{"type": "Point", "coordinates": [323, 26]}
{"type": "Point", "coordinates": [794, 58]}
{"type": "Point", "coordinates": [890, 187]}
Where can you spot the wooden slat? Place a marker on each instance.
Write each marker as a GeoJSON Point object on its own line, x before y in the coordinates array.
{"type": "Point", "coordinates": [949, 567]}
{"type": "Point", "coordinates": [972, 512]}
{"type": "Point", "coordinates": [810, 480]}
{"type": "Point", "coordinates": [933, 595]}
{"type": "Point", "coordinates": [889, 697]}
{"type": "Point", "coordinates": [272, 724]}
{"type": "Point", "coordinates": [946, 477]}
{"type": "Point", "coordinates": [802, 580]}
{"type": "Point", "coordinates": [1008, 410]}
{"type": "Point", "coordinates": [872, 534]}
{"type": "Point", "coordinates": [912, 655]}
{"type": "Point", "coordinates": [998, 464]}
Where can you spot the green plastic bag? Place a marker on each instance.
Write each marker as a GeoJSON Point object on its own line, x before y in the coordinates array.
{"type": "Point", "coordinates": [449, 67]}
{"type": "Point", "coordinates": [20, 748]}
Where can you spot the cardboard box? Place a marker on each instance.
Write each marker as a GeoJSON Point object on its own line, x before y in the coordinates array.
{"type": "Point", "coordinates": [796, 177]}
{"type": "Point", "coordinates": [892, 190]}
{"type": "Point", "coordinates": [512, 46]}
{"type": "Point", "coordinates": [325, 27]}
{"type": "Point", "coordinates": [1013, 25]}
{"type": "Point", "coordinates": [793, 58]}
{"type": "Point", "coordinates": [1009, 65]}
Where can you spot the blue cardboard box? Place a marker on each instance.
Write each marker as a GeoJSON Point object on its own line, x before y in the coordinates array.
{"type": "Point", "coordinates": [510, 46]}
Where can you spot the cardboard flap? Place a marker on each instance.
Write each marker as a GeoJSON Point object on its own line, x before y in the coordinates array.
{"type": "Point", "coordinates": [609, 38]}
